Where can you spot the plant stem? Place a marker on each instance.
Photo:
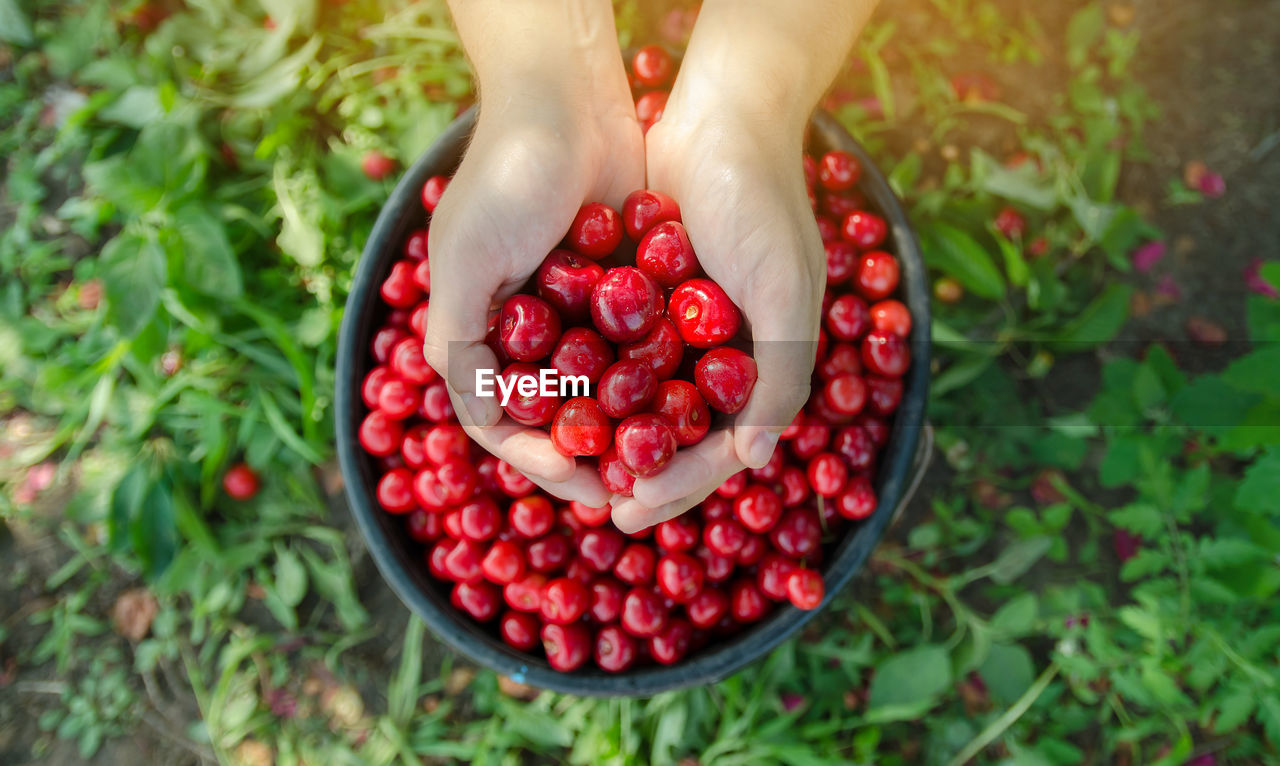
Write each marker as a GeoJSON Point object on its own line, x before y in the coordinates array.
{"type": "Point", "coordinates": [1007, 719]}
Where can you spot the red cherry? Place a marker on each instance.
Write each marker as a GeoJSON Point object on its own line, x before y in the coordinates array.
{"type": "Point", "coordinates": [519, 630]}
{"type": "Point", "coordinates": [398, 399]}
{"type": "Point", "coordinates": [428, 491]}
{"type": "Point", "coordinates": [481, 520]}
{"type": "Point", "coordinates": [753, 549]}
{"type": "Point", "coordinates": [798, 533]}
{"type": "Point", "coordinates": [504, 563]}
{"type": "Point", "coordinates": [643, 613]}
{"type": "Point", "coordinates": [422, 275]}
{"type": "Point", "coordinates": [376, 165]}
{"type": "Point", "coordinates": [649, 109]}
{"type": "Point", "coordinates": [372, 385]}
{"type": "Point", "coordinates": [707, 608]}
{"type": "Point", "coordinates": [883, 394]}
{"type": "Point", "coordinates": [1010, 223]}
{"type": "Point", "coordinates": [408, 362]}
{"type": "Point", "coordinates": [652, 66]}
{"type": "Point", "coordinates": [677, 535]}
{"type": "Point", "coordinates": [877, 275]}
{"type": "Point", "coordinates": [805, 589]}
{"type": "Point", "coordinates": [703, 314]}
{"type": "Point", "coordinates": [636, 564]}
{"type": "Point", "coordinates": [770, 471]}
{"type": "Point", "coordinates": [842, 261]}
{"type": "Point", "coordinates": [436, 406]}
{"type": "Point", "coordinates": [380, 435]}
{"type": "Point", "coordinates": [886, 354]}
{"type": "Point", "coordinates": [606, 598]}
{"type": "Point", "coordinates": [565, 280]}
{"type": "Point", "coordinates": [615, 651]}
{"type": "Point", "coordinates": [892, 317]}
{"type": "Point", "coordinates": [383, 341]}
{"type": "Point", "coordinates": [845, 393]}
{"type": "Point", "coordinates": [811, 439]}
{"type": "Point", "coordinates": [858, 501]}
{"type": "Point", "coordinates": [588, 516]}
{"type": "Point", "coordinates": [646, 208]}
{"type": "Point", "coordinates": [757, 508]}
{"type": "Point", "coordinates": [679, 577]}
{"type": "Point", "coordinates": [424, 526]}
{"type": "Point", "coordinates": [481, 600]}
{"type": "Point", "coordinates": [671, 645]}
{"type": "Point", "coordinates": [666, 254]}
{"type": "Point", "coordinates": [399, 289]}
{"type": "Point", "coordinates": [660, 350]}
{"type": "Point", "coordinates": [446, 441]}
{"type": "Point", "coordinates": [549, 553]}
{"type": "Point", "coordinates": [838, 171]}
{"type": "Point", "coordinates": [625, 304]}
{"type": "Point", "coordinates": [581, 428]}
{"type": "Point", "coordinates": [866, 230]}
{"type": "Point", "coordinates": [532, 516]}
{"type": "Point", "coordinates": [626, 388]}
{"type": "Point", "coordinates": [810, 170]}
{"type": "Point", "coordinates": [564, 601]}
{"type": "Point", "coordinates": [854, 444]}
{"type": "Point", "coordinates": [529, 328]}
{"type": "Point", "coordinates": [525, 408]}
{"type": "Point", "coordinates": [418, 319]}
{"type": "Point", "coordinates": [772, 575]}
{"type": "Point", "coordinates": [241, 482]}
{"type": "Point", "coordinates": [582, 351]}
{"type": "Point", "coordinates": [601, 548]}
{"type": "Point", "coordinates": [681, 404]}
{"type": "Point", "coordinates": [731, 487]}
{"type": "Point", "coordinates": [567, 646]}
{"type": "Point", "coordinates": [725, 377]}
{"type": "Point", "coordinates": [828, 229]}
{"type": "Point", "coordinates": [457, 479]}
{"type": "Point", "coordinates": [395, 491]}
{"type": "Point", "coordinates": [717, 568]}
{"type": "Point", "coordinates": [841, 358]}
{"type": "Point", "coordinates": [463, 562]}
{"type": "Point", "coordinates": [724, 537]}
{"type": "Point", "coordinates": [746, 602]}
{"type": "Point", "coordinates": [415, 249]}
{"type": "Point", "coordinates": [645, 443]}
{"type": "Point", "coordinates": [595, 231]}
{"type": "Point", "coordinates": [436, 558]}
{"type": "Point", "coordinates": [525, 593]}
{"type": "Point", "coordinates": [432, 190]}
{"type": "Point", "coordinates": [876, 428]}
{"type": "Point", "coordinates": [614, 474]}
{"type": "Point", "coordinates": [848, 318]}
{"type": "Point", "coordinates": [828, 474]}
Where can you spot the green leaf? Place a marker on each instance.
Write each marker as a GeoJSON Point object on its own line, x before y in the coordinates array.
{"type": "Point", "coordinates": [154, 533]}
{"type": "Point", "coordinates": [1259, 491]}
{"type": "Point", "coordinates": [1222, 552]}
{"type": "Point", "coordinates": [1257, 371]}
{"type": "Point", "coordinates": [14, 27]}
{"type": "Point", "coordinates": [1099, 321]}
{"type": "Point", "coordinates": [1017, 616]}
{"type": "Point", "coordinates": [1008, 672]}
{"type": "Point", "coordinates": [1023, 184]}
{"type": "Point", "coordinates": [1210, 404]}
{"type": "Point", "coordinates": [960, 373]}
{"type": "Point", "coordinates": [125, 502]}
{"type": "Point", "coordinates": [910, 681]}
{"type": "Point", "coordinates": [1235, 709]}
{"type": "Point", "coordinates": [959, 255]}
{"type": "Point", "coordinates": [1015, 266]}
{"type": "Point", "coordinates": [1141, 518]}
{"type": "Point", "coordinates": [290, 576]}
{"type": "Point", "coordinates": [209, 263]}
{"type": "Point", "coordinates": [137, 107]}
{"type": "Point", "coordinates": [133, 273]}
{"type": "Point", "coordinates": [1015, 560]}
{"type": "Point", "coordinates": [1263, 317]}
{"type": "Point", "coordinates": [1083, 32]}
{"type": "Point", "coordinates": [1269, 717]}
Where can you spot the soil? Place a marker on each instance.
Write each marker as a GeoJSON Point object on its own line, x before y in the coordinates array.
{"type": "Point", "coordinates": [1209, 65]}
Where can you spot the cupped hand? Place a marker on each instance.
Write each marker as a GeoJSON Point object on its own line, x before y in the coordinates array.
{"type": "Point", "coordinates": [532, 162]}
{"type": "Point", "coordinates": [740, 184]}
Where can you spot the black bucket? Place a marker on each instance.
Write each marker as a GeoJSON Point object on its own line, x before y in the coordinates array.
{"type": "Point", "coordinates": [401, 559]}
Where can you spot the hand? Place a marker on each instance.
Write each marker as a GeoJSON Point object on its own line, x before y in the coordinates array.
{"type": "Point", "coordinates": [738, 177]}
{"type": "Point", "coordinates": [538, 153]}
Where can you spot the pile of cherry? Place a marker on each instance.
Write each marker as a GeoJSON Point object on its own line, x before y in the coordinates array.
{"type": "Point", "coordinates": [661, 347]}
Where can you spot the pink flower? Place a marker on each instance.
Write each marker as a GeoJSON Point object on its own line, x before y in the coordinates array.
{"type": "Point", "coordinates": [1254, 281]}
{"type": "Point", "coordinates": [791, 700]}
{"type": "Point", "coordinates": [1212, 185]}
{"type": "Point", "coordinates": [1148, 255]}
{"type": "Point", "coordinates": [1126, 544]}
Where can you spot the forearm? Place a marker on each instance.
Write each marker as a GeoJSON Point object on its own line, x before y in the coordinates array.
{"type": "Point", "coordinates": [766, 58]}
{"type": "Point", "coordinates": [566, 51]}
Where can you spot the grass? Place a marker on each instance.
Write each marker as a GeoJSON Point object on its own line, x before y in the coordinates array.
{"type": "Point", "coordinates": [183, 207]}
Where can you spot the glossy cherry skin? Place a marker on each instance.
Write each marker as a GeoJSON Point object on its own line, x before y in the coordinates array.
{"type": "Point", "coordinates": [645, 208]}
{"type": "Point", "coordinates": [481, 600]}
{"type": "Point", "coordinates": [845, 393]}
{"type": "Point", "coordinates": [854, 444]}
{"type": "Point", "coordinates": [703, 314]}
{"type": "Point", "coordinates": [883, 394]}
{"type": "Point", "coordinates": [649, 109]}
{"type": "Point", "coordinates": [432, 190]}
{"type": "Point", "coordinates": [463, 562]}
{"type": "Point", "coordinates": [1010, 223]}
{"type": "Point", "coordinates": [746, 602]}
{"type": "Point", "coordinates": [877, 275]}
{"type": "Point", "coordinates": [614, 474]}
{"type": "Point", "coordinates": [626, 388]}
{"type": "Point", "coordinates": [565, 280]}
{"type": "Point", "coordinates": [652, 66]}
{"type": "Point", "coordinates": [681, 404]}
{"type": "Point", "coordinates": [858, 501]}
{"type": "Point", "coordinates": [399, 399]}
{"type": "Point", "coordinates": [725, 377]}
{"type": "Point", "coordinates": [372, 385]}
{"type": "Point", "coordinates": [380, 435]}
{"type": "Point", "coordinates": [384, 340]}
{"type": "Point", "coordinates": [891, 316]}
{"type": "Point", "coordinates": [730, 487]}
{"type": "Point", "coordinates": [563, 601]}
{"type": "Point", "coordinates": [424, 526]}
{"type": "Point", "coordinates": [480, 519]}
{"type": "Point", "coordinates": [838, 171]}
{"type": "Point", "coordinates": [827, 474]}
{"type": "Point", "coordinates": [418, 318]}
{"type": "Point", "coordinates": [848, 318]}
{"type": "Point", "coordinates": [679, 577]}
{"type": "Point", "coordinates": [422, 275]}
{"type": "Point", "coordinates": [615, 650]}
{"type": "Point", "coordinates": [724, 537]}
{"type": "Point", "coordinates": [842, 261]}
{"type": "Point", "coordinates": [395, 491]}
{"type": "Point", "coordinates": [772, 574]}
{"type": "Point", "coordinates": [864, 229]}
{"type": "Point", "coordinates": [428, 490]}
{"type": "Point", "coordinates": [886, 354]}
{"type": "Point", "coordinates": [581, 428]}
{"type": "Point", "coordinates": [415, 249]}
{"type": "Point", "coordinates": [528, 327]}
{"type": "Point", "coordinates": [661, 349]}
{"type": "Point", "coordinates": [596, 231]}
{"type": "Point", "coordinates": [758, 508]}
{"type": "Point", "coordinates": [504, 563]}
{"type": "Point", "coordinates": [519, 630]}
{"type": "Point", "coordinates": [588, 516]}
{"type": "Point", "coordinates": [798, 533]}
{"type": "Point", "coordinates": [531, 516]}
{"type": "Point", "coordinates": [840, 358]}
{"type": "Point", "coordinates": [567, 646]}
{"type": "Point", "coordinates": [707, 608]}
{"type": "Point", "coordinates": [671, 645]}
{"type": "Point", "coordinates": [643, 613]}
{"type": "Point", "coordinates": [828, 229]}
{"type": "Point", "coordinates": [805, 589]}
{"type": "Point", "coordinates": [718, 568]}
{"type": "Point", "coordinates": [645, 443]}
{"type": "Point", "coordinates": [535, 410]}
{"type": "Point", "coordinates": [436, 405]}
{"type": "Point", "coordinates": [625, 304]}
{"type": "Point", "coordinates": [525, 593]}
{"type": "Point", "coordinates": [666, 254]}
{"type": "Point", "coordinates": [601, 548]}
{"type": "Point", "coordinates": [606, 598]}
{"type": "Point", "coordinates": [636, 565]}
{"type": "Point", "coordinates": [582, 351]}
{"type": "Point", "coordinates": [399, 289]}
{"type": "Point", "coordinates": [678, 534]}
{"type": "Point", "coordinates": [408, 362]}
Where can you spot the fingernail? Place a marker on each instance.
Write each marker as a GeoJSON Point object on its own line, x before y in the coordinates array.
{"type": "Point", "coordinates": [762, 447]}
{"type": "Point", "coordinates": [478, 410]}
